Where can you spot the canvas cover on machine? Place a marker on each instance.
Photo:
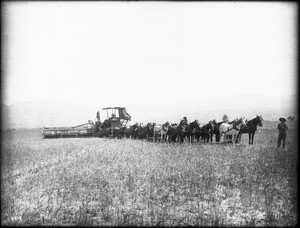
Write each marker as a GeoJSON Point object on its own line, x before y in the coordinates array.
{"type": "Point", "coordinates": [123, 114]}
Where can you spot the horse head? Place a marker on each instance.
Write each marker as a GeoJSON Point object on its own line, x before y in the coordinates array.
{"type": "Point", "coordinates": [166, 125]}
{"type": "Point", "coordinates": [237, 123]}
{"type": "Point", "coordinates": [135, 126]}
{"type": "Point", "coordinates": [259, 120]}
{"type": "Point", "coordinates": [195, 124]}
{"type": "Point", "coordinates": [149, 125]}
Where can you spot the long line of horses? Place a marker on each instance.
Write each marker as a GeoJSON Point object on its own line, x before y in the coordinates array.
{"type": "Point", "coordinates": [193, 131]}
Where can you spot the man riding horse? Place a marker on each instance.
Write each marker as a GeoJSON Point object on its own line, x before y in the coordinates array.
{"type": "Point", "coordinates": [184, 121]}
{"type": "Point", "coordinates": [183, 128]}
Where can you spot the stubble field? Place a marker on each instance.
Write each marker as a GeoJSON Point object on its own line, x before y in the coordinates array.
{"type": "Point", "coordinates": [93, 181]}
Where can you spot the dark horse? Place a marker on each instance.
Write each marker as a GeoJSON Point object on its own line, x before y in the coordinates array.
{"type": "Point", "coordinates": [146, 132]}
{"type": "Point", "coordinates": [178, 132]}
{"type": "Point", "coordinates": [250, 127]}
{"type": "Point", "coordinates": [215, 131]}
{"type": "Point", "coordinates": [205, 131]}
{"type": "Point", "coordinates": [190, 131]}
{"type": "Point", "coordinates": [131, 132]}
{"type": "Point", "coordinates": [183, 131]}
{"type": "Point", "coordinates": [195, 131]}
{"type": "Point", "coordinates": [173, 132]}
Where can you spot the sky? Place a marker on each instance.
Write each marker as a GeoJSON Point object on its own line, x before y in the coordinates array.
{"type": "Point", "coordinates": [147, 52]}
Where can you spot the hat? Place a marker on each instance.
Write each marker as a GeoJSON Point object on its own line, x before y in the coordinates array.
{"type": "Point", "coordinates": [225, 117]}
{"type": "Point", "coordinates": [184, 117]}
{"type": "Point", "coordinates": [282, 119]}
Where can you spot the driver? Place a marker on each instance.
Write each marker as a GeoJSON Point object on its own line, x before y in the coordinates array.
{"type": "Point", "coordinates": [184, 121]}
{"type": "Point", "coordinates": [114, 118]}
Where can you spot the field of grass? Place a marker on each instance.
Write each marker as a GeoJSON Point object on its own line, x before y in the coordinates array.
{"type": "Point", "coordinates": [93, 181]}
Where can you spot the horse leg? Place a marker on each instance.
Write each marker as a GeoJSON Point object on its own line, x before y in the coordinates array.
{"type": "Point", "coordinates": [237, 138]}
{"type": "Point", "coordinates": [234, 139]}
{"type": "Point", "coordinates": [223, 136]}
{"type": "Point", "coordinates": [252, 138]}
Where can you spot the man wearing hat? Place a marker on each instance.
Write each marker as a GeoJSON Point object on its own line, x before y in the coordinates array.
{"type": "Point", "coordinates": [282, 127]}
{"type": "Point", "coordinates": [225, 118]}
{"type": "Point", "coordinates": [184, 121]}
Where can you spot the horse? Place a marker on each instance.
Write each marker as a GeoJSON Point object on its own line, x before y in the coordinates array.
{"type": "Point", "coordinates": [172, 132]}
{"type": "Point", "coordinates": [130, 132]}
{"type": "Point", "coordinates": [194, 130]}
{"type": "Point", "coordinates": [183, 130]}
{"type": "Point", "coordinates": [231, 129]}
{"type": "Point", "coordinates": [146, 131]}
{"type": "Point", "coordinates": [161, 130]}
{"type": "Point", "coordinates": [205, 131]}
{"type": "Point", "coordinates": [140, 130]}
{"type": "Point", "coordinates": [215, 131]}
{"type": "Point", "coordinates": [250, 127]}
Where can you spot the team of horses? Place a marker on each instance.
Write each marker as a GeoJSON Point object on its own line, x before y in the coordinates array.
{"type": "Point", "coordinates": [193, 131]}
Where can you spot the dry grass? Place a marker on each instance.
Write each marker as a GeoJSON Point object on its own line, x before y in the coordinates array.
{"type": "Point", "coordinates": [92, 181]}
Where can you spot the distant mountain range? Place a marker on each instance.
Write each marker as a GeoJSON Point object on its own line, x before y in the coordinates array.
{"type": "Point", "coordinates": [37, 114]}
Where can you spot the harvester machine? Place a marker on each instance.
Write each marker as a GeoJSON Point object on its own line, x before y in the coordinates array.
{"type": "Point", "coordinates": [113, 126]}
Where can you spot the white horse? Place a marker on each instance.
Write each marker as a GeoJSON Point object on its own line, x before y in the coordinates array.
{"type": "Point", "coordinates": [230, 129]}
{"type": "Point", "coordinates": [161, 130]}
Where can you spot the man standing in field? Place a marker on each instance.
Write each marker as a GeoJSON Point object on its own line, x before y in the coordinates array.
{"type": "Point", "coordinates": [282, 127]}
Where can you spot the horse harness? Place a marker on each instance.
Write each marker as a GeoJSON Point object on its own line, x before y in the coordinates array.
{"type": "Point", "coordinates": [233, 127]}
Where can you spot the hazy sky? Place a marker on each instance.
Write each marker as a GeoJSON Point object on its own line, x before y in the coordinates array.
{"type": "Point", "coordinates": [147, 52]}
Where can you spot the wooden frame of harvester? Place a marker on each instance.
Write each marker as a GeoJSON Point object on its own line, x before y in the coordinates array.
{"type": "Point", "coordinates": [111, 127]}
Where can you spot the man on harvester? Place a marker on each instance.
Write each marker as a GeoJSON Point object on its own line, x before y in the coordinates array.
{"type": "Point", "coordinates": [114, 121]}
{"type": "Point", "coordinates": [113, 118]}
